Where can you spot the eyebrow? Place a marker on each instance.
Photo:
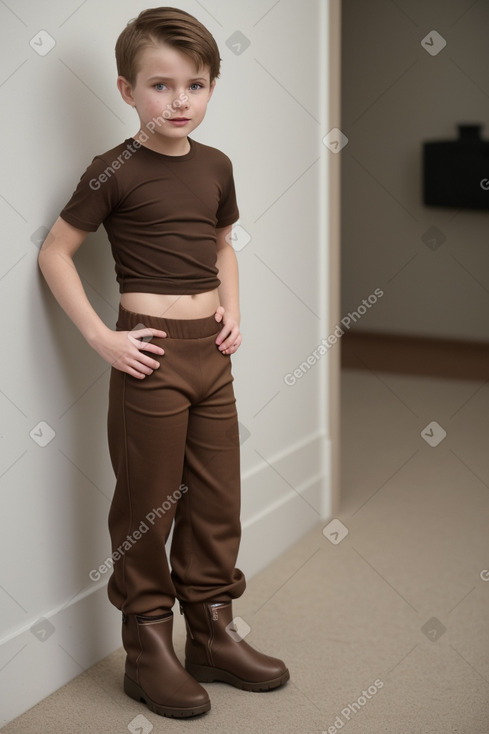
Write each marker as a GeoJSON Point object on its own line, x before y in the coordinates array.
{"type": "Point", "coordinates": [170, 79]}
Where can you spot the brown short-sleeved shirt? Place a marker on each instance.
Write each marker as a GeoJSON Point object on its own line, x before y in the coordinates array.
{"type": "Point", "coordinates": [160, 213]}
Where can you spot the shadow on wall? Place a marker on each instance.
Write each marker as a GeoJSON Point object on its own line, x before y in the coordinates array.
{"type": "Point", "coordinates": [78, 477]}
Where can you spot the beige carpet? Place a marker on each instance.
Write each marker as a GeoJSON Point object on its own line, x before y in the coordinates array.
{"type": "Point", "coordinates": [384, 629]}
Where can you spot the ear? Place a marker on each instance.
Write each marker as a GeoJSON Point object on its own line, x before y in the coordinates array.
{"type": "Point", "coordinates": [126, 90]}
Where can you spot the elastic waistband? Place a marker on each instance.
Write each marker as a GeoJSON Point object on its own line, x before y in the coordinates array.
{"type": "Point", "coordinates": [174, 328]}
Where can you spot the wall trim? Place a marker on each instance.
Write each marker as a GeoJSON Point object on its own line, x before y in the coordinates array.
{"type": "Point", "coordinates": [331, 229]}
{"type": "Point", "coordinates": [73, 643]}
{"type": "Point", "coordinates": [283, 454]}
{"type": "Point", "coordinates": [38, 668]}
{"type": "Point", "coordinates": [415, 355]}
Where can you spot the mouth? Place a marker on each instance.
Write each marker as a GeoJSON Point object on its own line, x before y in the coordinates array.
{"type": "Point", "coordinates": [180, 119]}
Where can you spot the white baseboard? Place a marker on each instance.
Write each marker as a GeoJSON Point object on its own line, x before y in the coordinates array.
{"type": "Point", "coordinates": [33, 666]}
{"type": "Point", "coordinates": [269, 534]}
{"type": "Point", "coordinates": [295, 485]}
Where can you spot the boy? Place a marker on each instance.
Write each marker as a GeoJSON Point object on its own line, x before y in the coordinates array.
{"type": "Point", "coordinates": [168, 204]}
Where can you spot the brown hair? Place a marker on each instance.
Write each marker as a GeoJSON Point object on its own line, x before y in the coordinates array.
{"type": "Point", "coordinates": [173, 26]}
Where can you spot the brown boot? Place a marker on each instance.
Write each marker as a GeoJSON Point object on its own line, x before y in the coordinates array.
{"type": "Point", "coordinates": [154, 674]}
{"type": "Point", "coordinates": [215, 652]}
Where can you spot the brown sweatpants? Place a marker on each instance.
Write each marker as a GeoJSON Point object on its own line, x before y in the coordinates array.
{"type": "Point", "coordinates": [174, 446]}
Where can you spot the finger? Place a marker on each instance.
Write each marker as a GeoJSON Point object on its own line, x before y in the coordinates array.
{"type": "Point", "coordinates": [140, 367]}
{"type": "Point", "coordinates": [147, 333]}
{"type": "Point", "coordinates": [233, 348]}
{"type": "Point", "coordinates": [135, 373]}
{"type": "Point", "coordinates": [219, 314]}
{"type": "Point", "coordinates": [130, 370]}
{"type": "Point", "coordinates": [147, 361]}
{"type": "Point", "coordinates": [237, 343]}
{"type": "Point", "coordinates": [230, 340]}
{"type": "Point", "coordinates": [224, 333]}
{"type": "Point", "coordinates": [146, 346]}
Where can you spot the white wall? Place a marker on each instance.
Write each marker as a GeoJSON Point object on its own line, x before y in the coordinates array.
{"type": "Point", "coordinates": [395, 96]}
{"type": "Point", "coordinates": [268, 114]}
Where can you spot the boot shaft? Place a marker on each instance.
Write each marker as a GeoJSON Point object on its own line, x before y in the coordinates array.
{"type": "Point", "coordinates": [215, 650]}
{"type": "Point", "coordinates": [206, 625]}
{"type": "Point", "coordinates": [146, 633]}
{"type": "Point", "coordinates": [153, 672]}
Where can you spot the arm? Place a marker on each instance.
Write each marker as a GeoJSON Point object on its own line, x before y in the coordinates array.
{"type": "Point", "coordinates": [229, 338]}
{"type": "Point", "coordinates": [120, 349]}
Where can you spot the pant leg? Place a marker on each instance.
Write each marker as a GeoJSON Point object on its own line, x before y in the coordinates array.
{"type": "Point", "coordinates": [147, 426]}
{"type": "Point", "coordinates": [207, 528]}
{"type": "Point", "coordinates": [149, 438]}
{"type": "Point", "coordinates": [147, 429]}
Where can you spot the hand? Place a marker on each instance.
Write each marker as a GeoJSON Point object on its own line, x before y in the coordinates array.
{"type": "Point", "coordinates": [229, 337]}
{"type": "Point", "coordinates": [123, 350]}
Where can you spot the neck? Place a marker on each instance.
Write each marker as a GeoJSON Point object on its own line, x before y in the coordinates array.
{"type": "Point", "coordinates": [179, 146]}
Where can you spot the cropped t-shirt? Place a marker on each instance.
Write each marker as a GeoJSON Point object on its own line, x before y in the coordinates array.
{"type": "Point", "coordinates": [160, 213]}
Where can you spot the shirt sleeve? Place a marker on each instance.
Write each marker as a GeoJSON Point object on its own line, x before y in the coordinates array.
{"type": "Point", "coordinates": [228, 211]}
{"type": "Point", "coordinates": [94, 198]}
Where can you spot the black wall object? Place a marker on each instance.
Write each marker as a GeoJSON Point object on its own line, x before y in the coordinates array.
{"type": "Point", "coordinates": [456, 172]}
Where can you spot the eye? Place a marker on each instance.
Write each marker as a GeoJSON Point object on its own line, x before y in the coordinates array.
{"type": "Point", "coordinates": [197, 84]}
{"type": "Point", "coordinates": [159, 86]}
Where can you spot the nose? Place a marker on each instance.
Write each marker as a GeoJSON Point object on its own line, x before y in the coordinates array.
{"type": "Point", "coordinates": [181, 102]}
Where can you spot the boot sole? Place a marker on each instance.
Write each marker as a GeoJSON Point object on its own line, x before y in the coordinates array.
{"type": "Point", "coordinates": [134, 691]}
{"type": "Point", "coordinates": [206, 674]}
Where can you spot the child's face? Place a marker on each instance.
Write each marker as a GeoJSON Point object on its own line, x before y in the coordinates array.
{"type": "Point", "coordinates": [168, 86]}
